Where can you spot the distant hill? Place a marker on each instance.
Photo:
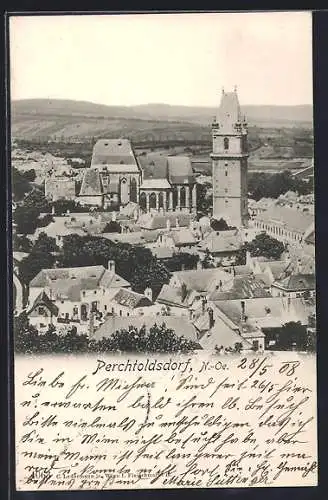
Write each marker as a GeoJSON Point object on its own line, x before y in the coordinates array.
{"type": "Point", "coordinates": [67, 118]}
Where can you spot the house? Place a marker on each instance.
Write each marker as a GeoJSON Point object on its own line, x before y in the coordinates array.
{"type": "Point", "coordinates": [182, 239]}
{"type": "Point", "coordinates": [203, 281]}
{"type": "Point", "coordinates": [244, 287]}
{"type": "Point", "coordinates": [268, 314]}
{"type": "Point", "coordinates": [78, 292]}
{"type": "Point", "coordinates": [284, 224]}
{"type": "Point", "coordinates": [182, 327]}
{"type": "Point", "coordinates": [165, 221]}
{"type": "Point", "coordinates": [178, 301]}
{"type": "Point", "coordinates": [222, 246]}
{"type": "Point", "coordinates": [216, 332]}
{"type": "Point", "coordinates": [296, 285]}
{"type": "Point", "coordinates": [43, 312]}
{"type": "Point", "coordinates": [129, 303]}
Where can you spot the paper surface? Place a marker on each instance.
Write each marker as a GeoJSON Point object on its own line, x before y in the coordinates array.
{"type": "Point", "coordinates": [126, 422]}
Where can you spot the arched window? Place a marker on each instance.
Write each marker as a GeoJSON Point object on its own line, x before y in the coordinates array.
{"type": "Point", "coordinates": [183, 197]}
{"type": "Point", "coordinates": [133, 190]}
{"type": "Point", "coordinates": [152, 200]}
{"type": "Point", "coordinates": [161, 200]}
{"type": "Point", "coordinates": [226, 143]}
{"type": "Point", "coordinates": [142, 201]}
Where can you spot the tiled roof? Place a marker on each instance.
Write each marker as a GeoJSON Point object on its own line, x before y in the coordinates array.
{"type": "Point", "coordinates": [220, 242]}
{"type": "Point", "coordinates": [67, 283]}
{"type": "Point", "coordinates": [133, 238]}
{"type": "Point", "coordinates": [183, 236]}
{"type": "Point", "coordinates": [173, 296]}
{"type": "Point", "coordinates": [131, 299]}
{"type": "Point", "coordinates": [155, 184]}
{"type": "Point", "coordinates": [244, 287]}
{"type": "Point", "coordinates": [112, 151]}
{"type": "Point", "coordinates": [181, 326]}
{"type": "Point", "coordinates": [154, 168]}
{"type": "Point", "coordinates": [270, 311]}
{"type": "Point", "coordinates": [286, 217]}
{"type": "Point", "coordinates": [43, 300]}
{"type": "Point", "coordinates": [297, 282]}
{"type": "Point", "coordinates": [91, 183]}
{"type": "Point", "coordinates": [180, 170]}
{"type": "Point", "coordinates": [159, 221]}
{"type": "Point", "coordinates": [202, 280]}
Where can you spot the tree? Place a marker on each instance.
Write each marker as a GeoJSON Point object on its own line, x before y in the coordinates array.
{"type": "Point", "coordinates": [204, 199]}
{"type": "Point", "coordinates": [158, 338]}
{"type": "Point", "coordinates": [63, 206]}
{"type": "Point", "coordinates": [134, 263]}
{"type": "Point", "coordinates": [41, 257]}
{"type": "Point", "coordinates": [112, 227]}
{"type": "Point", "coordinates": [21, 243]}
{"type": "Point", "coordinates": [219, 225]}
{"type": "Point", "coordinates": [292, 335]}
{"type": "Point", "coordinates": [182, 260]}
{"type": "Point", "coordinates": [265, 246]}
{"type": "Point", "coordinates": [26, 219]}
{"type": "Point", "coordinates": [20, 184]}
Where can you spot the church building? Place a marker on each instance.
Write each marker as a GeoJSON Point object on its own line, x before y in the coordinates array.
{"type": "Point", "coordinates": [229, 162]}
{"type": "Point", "coordinates": [117, 177]}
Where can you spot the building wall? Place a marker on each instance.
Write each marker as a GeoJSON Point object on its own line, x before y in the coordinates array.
{"type": "Point", "coordinates": [91, 200]}
{"type": "Point", "coordinates": [56, 189]}
{"type": "Point", "coordinates": [279, 232]}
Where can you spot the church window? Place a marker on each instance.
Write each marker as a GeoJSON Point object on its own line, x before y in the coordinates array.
{"type": "Point", "coordinates": [226, 143]}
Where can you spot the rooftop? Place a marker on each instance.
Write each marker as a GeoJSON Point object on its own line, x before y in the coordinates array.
{"type": "Point", "coordinates": [113, 151]}
{"type": "Point", "coordinates": [131, 299]}
{"type": "Point", "coordinates": [181, 326]}
{"type": "Point", "coordinates": [67, 283]}
{"type": "Point", "coordinates": [287, 217]}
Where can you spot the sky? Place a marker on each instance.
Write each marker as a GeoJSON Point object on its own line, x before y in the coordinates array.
{"type": "Point", "coordinates": [177, 59]}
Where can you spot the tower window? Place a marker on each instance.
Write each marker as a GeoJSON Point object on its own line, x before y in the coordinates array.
{"type": "Point", "coordinates": [226, 173]}
{"type": "Point", "coordinates": [225, 190]}
{"type": "Point", "coordinates": [226, 143]}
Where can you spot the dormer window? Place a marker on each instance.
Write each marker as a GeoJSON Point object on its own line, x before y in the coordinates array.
{"type": "Point", "coordinates": [226, 143]}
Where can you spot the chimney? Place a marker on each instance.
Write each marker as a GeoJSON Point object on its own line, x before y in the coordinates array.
{"type": "Point", "coordinates": [204, 302]}
{"type": "Point", "coordinates": [243, 316]}
{"type": "Point", "coordinates": [210, 318]}
{"type": "Point", "coordinates": [111, 266]}
{"type": "Point", "coordinates": [148, 293]}
{"type": "Point", "coordinates": [168, 224]}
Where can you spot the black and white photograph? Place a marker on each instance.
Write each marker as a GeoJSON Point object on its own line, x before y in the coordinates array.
{"type": "Point", "coordinates": [163, 244]}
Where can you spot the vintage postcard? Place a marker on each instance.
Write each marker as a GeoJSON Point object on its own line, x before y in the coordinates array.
{"type": "Point", "coordinates": [164, 290]}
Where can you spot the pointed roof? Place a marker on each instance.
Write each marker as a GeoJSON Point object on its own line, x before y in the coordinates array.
{"type": "Point", "coordinates": [91, 183]}
{"type": "Point", "coordinates": [229, 112]}
{"type": "Point", "coordinates": [43, 300]}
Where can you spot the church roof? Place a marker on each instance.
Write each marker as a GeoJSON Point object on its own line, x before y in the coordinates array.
{"type": "Point", "coordinates": [180, 170]}
{"type": "Point", "coordinates": [91, 183]}
{"type": "Point", "coordinates": [177, 169]}
{"type": "Point", "coordinates": [154, 168]}
{"type": "Point", "coordinates": [229, 112]}
{"type": "Point", "coordinates": [113, 151]}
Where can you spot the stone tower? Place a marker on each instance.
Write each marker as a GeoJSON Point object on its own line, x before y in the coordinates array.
{"type": "Point", "coordinates": [229, 162]}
